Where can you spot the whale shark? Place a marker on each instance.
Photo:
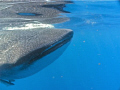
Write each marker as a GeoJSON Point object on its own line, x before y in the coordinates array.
{"type": "Point", "coordinates": [29, 41]}
{"type": "Point", "coordinates": [26, 52]}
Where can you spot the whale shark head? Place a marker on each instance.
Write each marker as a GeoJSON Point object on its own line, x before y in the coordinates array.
{"type": "Point", "coordinates": [25, 52]}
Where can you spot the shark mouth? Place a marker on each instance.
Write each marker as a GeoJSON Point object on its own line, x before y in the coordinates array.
{"type": "Point", "coordinates": [57, 45]}
{"type": "Point", "coordinates": [52, 47]}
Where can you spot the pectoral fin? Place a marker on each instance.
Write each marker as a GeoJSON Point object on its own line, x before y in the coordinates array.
{"type": "Point", "coordinates": [7, 83]}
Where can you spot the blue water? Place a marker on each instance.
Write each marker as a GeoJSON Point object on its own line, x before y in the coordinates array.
{"type": "Point", "coordinates": [92, 60]}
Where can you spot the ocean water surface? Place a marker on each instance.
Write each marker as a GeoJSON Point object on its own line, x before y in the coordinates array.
{"type": "Point", "coordinates": [91, 61]}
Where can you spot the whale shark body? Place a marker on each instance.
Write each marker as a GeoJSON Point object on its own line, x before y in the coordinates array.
{"type": "Point", "coordinates": [25, 52]}
{"type": "Point", "coordinates": [28, 40]}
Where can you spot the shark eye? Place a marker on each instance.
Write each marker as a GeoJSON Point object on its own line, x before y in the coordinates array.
{"type": "Point", "coordinates": [28, 14]}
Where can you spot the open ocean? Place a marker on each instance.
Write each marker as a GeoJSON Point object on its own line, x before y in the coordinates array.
{"type": "Point", "coordinates": [91, 61]}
